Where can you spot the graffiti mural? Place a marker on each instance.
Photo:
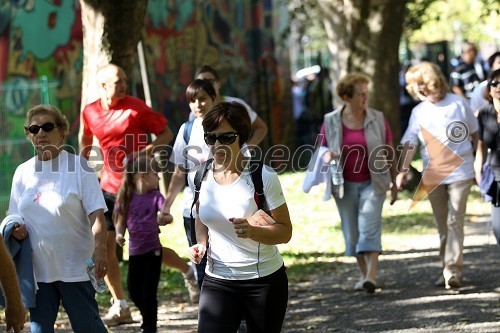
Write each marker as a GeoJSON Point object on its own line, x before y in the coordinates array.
{"type": "Point", "coordinates": [237, 37]}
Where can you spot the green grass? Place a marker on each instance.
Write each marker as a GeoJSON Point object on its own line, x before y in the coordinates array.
{"type": "Point", "coordinates": [317, 239]}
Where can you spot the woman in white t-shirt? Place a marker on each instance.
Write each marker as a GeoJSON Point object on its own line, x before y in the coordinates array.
{"type": "Point", "coordinates": [58, 196]}
{"type": "Point", "coordinates": [189, 150]}
{"type": "Point", "coordinates": [245, 277]}
{"type": "Point", "coordinates": [447, 131]}
{"type": "Point", "coordinates": [259, 127]}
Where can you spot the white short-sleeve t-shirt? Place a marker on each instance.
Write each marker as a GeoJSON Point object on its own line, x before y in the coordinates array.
{"type": "Point", "coordinates": [55, 198]}
{"type": "Point", "coordinates": [230, 257]}
{"type": "Point", "coordinates": [251, 112]}
{"type": "Point", "coordinates": [477, 100]}
{"type": "Point", "coordinates": [444, 120]}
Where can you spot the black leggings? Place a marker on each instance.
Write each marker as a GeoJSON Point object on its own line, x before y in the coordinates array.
{"type": "Point", "coordinates": [142, 282]}
{"type": "Point", "coordinates": [261, 302]}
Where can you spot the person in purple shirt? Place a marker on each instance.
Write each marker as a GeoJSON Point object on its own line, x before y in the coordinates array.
{"type": "Point", "coordinates": [138, 209]}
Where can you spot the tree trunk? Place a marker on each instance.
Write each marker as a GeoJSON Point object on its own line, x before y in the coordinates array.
{"type": "Point", "coordinates": [111, 31]}
{"type": "Point", "coordinates": [363, 36]}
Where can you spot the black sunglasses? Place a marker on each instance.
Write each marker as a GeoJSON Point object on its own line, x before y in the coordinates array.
{"type": "Point", "coordinates": [212, 81]}
{"type": "Point", "coordinates": [224, 138]}
{"type": "Point", "coordinates": [494, 84]}
{"type": "Point", "coordinates": [47, 127]}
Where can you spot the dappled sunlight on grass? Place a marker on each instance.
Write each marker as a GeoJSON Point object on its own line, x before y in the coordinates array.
{"type": "Point", "coordinates": [300, 270]}
{"type": "Point", "coordinates": [419, 219]}
{"type": "Point", "coordinates": [316, 223]}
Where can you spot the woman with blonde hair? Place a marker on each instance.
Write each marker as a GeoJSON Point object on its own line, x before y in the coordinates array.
{"type": "Point", "coordinates": [447, 131]}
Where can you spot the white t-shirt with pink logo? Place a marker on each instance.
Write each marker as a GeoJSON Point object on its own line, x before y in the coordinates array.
{"type": "Point", "coordinates": [55, 198]}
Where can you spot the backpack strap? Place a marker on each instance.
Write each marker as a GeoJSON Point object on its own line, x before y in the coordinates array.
{"type": "Point", "coordinates": [188, 128]}
{"type": "Point", "coordinates": [256, 174]}
{"type": "Point", "coordinates": [200, 175]}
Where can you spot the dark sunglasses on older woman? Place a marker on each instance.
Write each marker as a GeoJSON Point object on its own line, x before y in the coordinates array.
{"type": "Point", "coordinates": [494, 84]}
{"type": "Point", "coordinates": [224, 138]}
{"type": "Point", "coordinates": [47, 127]}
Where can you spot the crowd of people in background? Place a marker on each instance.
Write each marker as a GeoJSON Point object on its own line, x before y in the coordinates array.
{"type": "Point", "coordinates": [235, 265]}
{"type": "Point", "coordinates": [430, 103]}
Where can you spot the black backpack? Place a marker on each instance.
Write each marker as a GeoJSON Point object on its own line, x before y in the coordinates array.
{"type": "Point", "coordinates": [255, 168]}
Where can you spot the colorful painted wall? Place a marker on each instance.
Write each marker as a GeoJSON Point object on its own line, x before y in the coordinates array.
{"type": "Point", "coordinates": [240, 38]}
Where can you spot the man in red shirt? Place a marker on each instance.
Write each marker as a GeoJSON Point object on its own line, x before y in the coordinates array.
{"type": "Point", "coordinates": [122, 124]}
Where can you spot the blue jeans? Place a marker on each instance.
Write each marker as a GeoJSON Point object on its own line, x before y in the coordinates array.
{"type": "Point", "coordinates": [78, 299]}
{"type": "Point", "coordinates": [361, 218]}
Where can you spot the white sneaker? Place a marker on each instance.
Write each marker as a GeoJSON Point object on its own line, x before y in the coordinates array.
{"type": "Point", "coordinates": [191, 284]}
{"type": "Point", "coordinates": [359, 286]}
{"type": "Point", "coordinates": [370, 285]}
{"type": "Point", "coordinates": [453, 282]}
{"type": "Point", "coordinates": [117, 316]}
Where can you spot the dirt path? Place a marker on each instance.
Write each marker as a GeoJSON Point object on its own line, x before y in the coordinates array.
{"type": "Point", "coordinates": [408, 302]}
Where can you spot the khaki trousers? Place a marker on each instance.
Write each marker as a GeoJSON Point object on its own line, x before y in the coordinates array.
{"type": "Point", "coordinates": [449, 202]}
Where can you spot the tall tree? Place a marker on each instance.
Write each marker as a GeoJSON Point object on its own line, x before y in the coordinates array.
{"type": "Point", "coordinates": [111, 31]}
{"type": "Point", "coordinates": [364, 36]}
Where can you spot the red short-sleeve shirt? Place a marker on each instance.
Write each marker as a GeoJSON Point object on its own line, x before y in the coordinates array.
{"type": "Point", "coordinates": [120, 131]}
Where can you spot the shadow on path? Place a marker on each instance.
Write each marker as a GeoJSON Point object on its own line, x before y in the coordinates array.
{"type": "Point", "coordinates": [408, 301]}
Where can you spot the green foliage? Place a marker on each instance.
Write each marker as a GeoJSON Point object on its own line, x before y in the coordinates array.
{"type": "Point", "coordinates": [474, 20]}
{"type": "Point", "coordinates": [425, 21]}
{"type": "Point", "coordinates": [416, 15]}
{"type": "Point", "coordinates": [171, 283]}
{"type": "Point", "coordinates": [307, 18]}
{"type": "Point", "coordinates": [302, 15]}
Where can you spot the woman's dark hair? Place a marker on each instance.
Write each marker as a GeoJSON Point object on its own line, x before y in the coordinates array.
{"type": "Point", "coordinates": [235, 114]}
{"type": "Point", "coordinates": [135, 164]}
{"type": "Point", "coordinates": [491, 77]}
{"type": "Point", "coordinates": [206, 69]}
{"type": "Point", "coordinates": [196, 86]}
{"type": "Point", "coordinates": [492, 58]}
